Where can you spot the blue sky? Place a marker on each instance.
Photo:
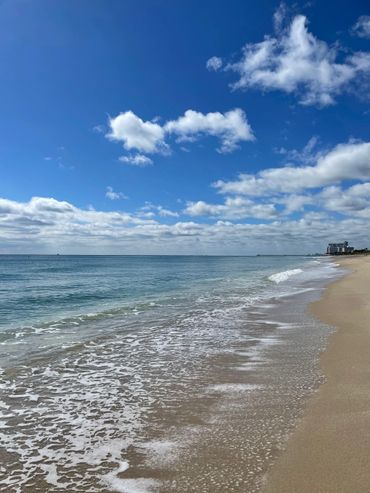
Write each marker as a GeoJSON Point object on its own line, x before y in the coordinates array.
{"type": "Point", "coordinates": [232, 127]}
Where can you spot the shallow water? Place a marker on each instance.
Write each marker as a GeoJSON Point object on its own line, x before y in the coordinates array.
{"type": "Point", "coordinates": [139, 374]}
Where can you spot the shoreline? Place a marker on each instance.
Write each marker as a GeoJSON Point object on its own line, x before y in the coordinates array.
{"type": "Point", "coordinates": [261, 398]}
{"type": "Point", "coordinates": [330, 449]}
{"type": "Point", "coordinates": [210, 409]}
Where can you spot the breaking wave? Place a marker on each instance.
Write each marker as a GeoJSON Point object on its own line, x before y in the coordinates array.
{"type": "Point", "coordinates": [284, 275]}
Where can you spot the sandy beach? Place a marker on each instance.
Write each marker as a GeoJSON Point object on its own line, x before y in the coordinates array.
{"type": "Point", "coordinates": [330, 449]}
{"type": "Point", "coordinates": [196, 390]}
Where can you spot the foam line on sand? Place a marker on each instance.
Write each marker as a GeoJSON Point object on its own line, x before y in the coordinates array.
{"type": "Point", "coordinates": [330, 449]}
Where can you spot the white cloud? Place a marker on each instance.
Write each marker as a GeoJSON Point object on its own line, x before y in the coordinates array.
{"type": "Point", "coordinates": [295, 203]}
{"type": "Point", "coordinates": [233, 208]}
{"type": "Point", "coordinates": [345, 162]}
{"type": "Point", "coordinates": [279, 16]}
{"type": "Point", "coordinates": [112, 195]}
{"type": "Point", "coordinates": [166, 212]}
{"type": "Point", "coordinates": [354, 201]}
{"type": "Point", "coordinates": [99, 129]}
{"type": "Point", "coordinates": [231, 127]}
{"type": "Point", "coordinates": [148, 137]}
{"type": "Point", "coordinates": [362, 27]}
{"type": "Point", "coordinates": [139, 160]}
{"type": "Point", "coordinates": [134, 133]}
{"type": "Point", "coordinates": [214, 63]}
{"type": "Point", "coordinates": [295, 61]}
{"type": "Point", "coordinates": [303, 156]}
{"type": "Point", "coordinates": [47, 225]}
{"type": "Point", "coordinates": [151, 210]}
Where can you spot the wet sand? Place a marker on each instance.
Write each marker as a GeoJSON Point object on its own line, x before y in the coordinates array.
{"type": "Point", "coordinates": [330, 449]}
{"type": "Point", "coordinates": [195, 405]}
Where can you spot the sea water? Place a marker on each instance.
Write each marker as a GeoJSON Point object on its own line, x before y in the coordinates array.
{"type": "Point", "coordinates": [118, 372]}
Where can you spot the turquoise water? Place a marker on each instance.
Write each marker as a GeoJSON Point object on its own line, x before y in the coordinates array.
{"type": "Point", "coordinates": [99, 355]}
{"type": "Point", "coordinates": [39, 289]}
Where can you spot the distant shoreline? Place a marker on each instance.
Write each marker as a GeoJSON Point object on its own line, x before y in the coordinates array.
{"type": "Point", "coordinates": [156, 255]}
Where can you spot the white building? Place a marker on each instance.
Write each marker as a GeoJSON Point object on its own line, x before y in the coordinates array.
{"type": "Point", "coordinates": [339, 248]}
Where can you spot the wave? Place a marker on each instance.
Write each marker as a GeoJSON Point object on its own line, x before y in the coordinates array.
{"type": "Point", "coordinates": [284, 275]}
{"type": "Point", "coordinates": [75, 320]}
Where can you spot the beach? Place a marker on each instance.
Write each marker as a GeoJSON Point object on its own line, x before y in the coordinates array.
{"type": "Point", "coordinates": [330, 449]}
{"type": "Point", "coordinates": [155, 374]}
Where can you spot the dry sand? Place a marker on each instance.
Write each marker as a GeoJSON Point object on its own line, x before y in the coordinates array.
{"type": "Point", "coordinates": [330, 450]}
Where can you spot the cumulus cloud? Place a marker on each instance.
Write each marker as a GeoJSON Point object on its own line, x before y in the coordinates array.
{"type": "Point", "coordinates": [295, 61]}
{"type": "Point", "coordinates": [233, 208]}
{"type": "Point", "coordinates": [296, 203]}
{"type": "Point", "coordinates": [137, 134]}
{"type": "Point", "coordinates": [214, 63]}
{"type": "Point", "coordinates": [48, 225]}
{"type": "Point", "coordinates": [231, 127]}
{"type": "Point", "coordinates": [353, 201]}
{"type": "Point", "coordinates": [44, 222]}
{"type": "Point", "coordinates": [349, 161]}
{"type": "Point", "coordinates": [362, 27]}
{"type": "Point", "coordinates": [139, 160]}
{"type": "Point", "coordinates": [149, 137]}
{"type": "Point", "coordinates": [112, 195]}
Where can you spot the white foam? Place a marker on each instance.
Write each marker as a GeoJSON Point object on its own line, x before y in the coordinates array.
{"type": "Point", "coordinates": [158, 447]}
{"type": "Point", "coordinates": [284, 275]}
{"type": "Point", "coordinates": [33, 397]}
{"type": "Point", "coordinates": [52, 475]}
{"type": "Point", "coordinates": [96, 402]}
{"type": "Point", "coordinates": [123, 485]}
{"type": "Point", "coordinates": [161, 452]}
{"type": "Point", "coordinates": [234, 387]}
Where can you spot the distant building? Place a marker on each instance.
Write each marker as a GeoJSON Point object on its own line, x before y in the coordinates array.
{"type": "Point", "coordinates": [339, 248]}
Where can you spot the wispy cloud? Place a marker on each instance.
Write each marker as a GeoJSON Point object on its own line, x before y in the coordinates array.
{"type": "Point", "coordinates": [139, 160]}
{"type": "Point", "coordinates": [152, 210]}
{"type": "Point", "coordinates": [112, 195]}
{"type": "Point", "coordinates": [279, 17]}
{"type": "Point", "coordinates": [214, 63]}
{"type": "Point", "coordinates": [362, 27]}
{"type": "Point", "coordinates": [99, 129]}
{"type": "Point", "coordinates": [295, 61]}
{"type": "Point", "coordinates": [307, 155]}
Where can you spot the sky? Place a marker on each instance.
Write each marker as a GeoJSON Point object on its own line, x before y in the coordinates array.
{"type": "Point", "coordinates": [184, 127]}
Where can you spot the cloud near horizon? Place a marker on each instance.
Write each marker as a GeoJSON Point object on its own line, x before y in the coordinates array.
{"type": "Point", "coordinates": [324, 187]}
{"type": "Point", "coordinates": [260, 214]}
{"type": "Point", "coordinates": [295, 61]}
{"type": "Point", "coordinates": [46, 225]}
{"type": "Point", "coordinates": [349, 161]}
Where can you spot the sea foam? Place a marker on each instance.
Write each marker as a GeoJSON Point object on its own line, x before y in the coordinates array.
{"type": "Point", "coordinates": [284, 275]}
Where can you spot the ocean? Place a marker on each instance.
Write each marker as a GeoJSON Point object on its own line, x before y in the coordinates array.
{"type": "Point", "coordinates": [141, 374]}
